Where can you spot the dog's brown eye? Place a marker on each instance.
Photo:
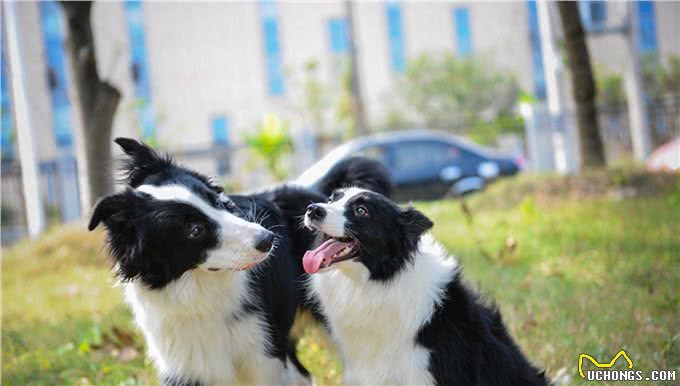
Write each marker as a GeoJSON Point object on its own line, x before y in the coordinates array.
{"type": "Point", "coordinates": [361, 211]}
{"type": "Point", "coordinates": [196, 231]}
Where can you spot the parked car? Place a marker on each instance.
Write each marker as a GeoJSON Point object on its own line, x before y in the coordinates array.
{"type": "Point", "coordinates": [424, 164]}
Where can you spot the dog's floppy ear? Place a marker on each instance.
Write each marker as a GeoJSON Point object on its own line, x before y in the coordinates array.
{"type": "Point", "coordinates": [415, 224]}
{"type": "Point", "coordinates": [143, 161]}
{"type": "Point", "coordinates": [114, 209]}
{"type": "Point", "coordinates": [118, 212]}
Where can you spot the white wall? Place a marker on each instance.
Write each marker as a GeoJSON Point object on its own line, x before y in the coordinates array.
{"type": "Point", "coordinates": [668, 27]}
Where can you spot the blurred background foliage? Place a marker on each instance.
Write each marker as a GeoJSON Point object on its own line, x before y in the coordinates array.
{"type": "Point", "coordinates": [271, 142]}
{"type": "Point", "coordinates": [458, 94]}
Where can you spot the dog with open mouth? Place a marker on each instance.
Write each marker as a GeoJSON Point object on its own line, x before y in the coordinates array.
{"type": "Point", "coordinates": [213, 280]}
{"type": "Point", "coordinates": [396, 303]}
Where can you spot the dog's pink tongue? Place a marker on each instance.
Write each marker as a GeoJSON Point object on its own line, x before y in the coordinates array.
{"type": "Point", "coordinates": [313, 259]}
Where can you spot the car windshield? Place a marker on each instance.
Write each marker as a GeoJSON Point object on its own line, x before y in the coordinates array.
{"type": "Point", "coordinates": [476, 148]}
{"type": "Point", "coordinates": [417, 155]}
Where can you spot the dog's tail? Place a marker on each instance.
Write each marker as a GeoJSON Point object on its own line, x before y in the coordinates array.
{"type": "Point", "coordinates": [361, 172]}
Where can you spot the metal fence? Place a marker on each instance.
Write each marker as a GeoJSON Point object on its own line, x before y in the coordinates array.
{"type": "Point", "coordinates": [12, 214]}
{"type": "Point", "coordinates": [664, 121]}
{"type": "Point", "coordinates": [58, 181]}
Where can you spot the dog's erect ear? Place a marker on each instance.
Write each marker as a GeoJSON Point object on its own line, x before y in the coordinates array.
{"type": "Point", "coordinates": [114, 209]}
{"type": "Point", "coordinates": [143, 161]}
{"type": "Point", "coordinates": [415, 224]}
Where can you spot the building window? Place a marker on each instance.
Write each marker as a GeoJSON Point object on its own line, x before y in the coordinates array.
{"type": "Point", "coordinates": [461, 18]}
{"type": "Point", "coordinates": [593, 13]}
{"type": "Point", "coordinates": [272, 47]}
{"type": "Point", "coordinates": [139, 67]}
{"type": "Point", "coordinates": [647, 27]}
{"type": "Point", "coordinates": [6, 139]}
{"type": "Point", "coordinates": [536, 55]}
{"type": "Point", "coordinates": [220, 129]}
{"type": "Point", "coordinates": [53, 36]}
{"type": "Point", "coordinates": [337, 33]}
{"type": "Point", "coordinates": [396, 36]}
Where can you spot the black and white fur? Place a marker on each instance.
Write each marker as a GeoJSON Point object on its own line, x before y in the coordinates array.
{"type": "Point", "coordinates": [396, 305]}
{"type": "Point", "coordinates": [186, 253]}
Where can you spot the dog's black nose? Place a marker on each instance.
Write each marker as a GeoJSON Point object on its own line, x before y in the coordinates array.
{"type": "Point", "coordinates": [265, 241]}
{"type": "Point", "coordinates": [316, 212]}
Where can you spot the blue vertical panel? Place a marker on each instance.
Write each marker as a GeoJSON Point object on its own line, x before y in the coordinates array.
{"type": "Point", "coordinates": [593, 13]}
{"type": "Point", "coordinates": [140, 66]}
{"type": "Point", "coordinates": [53, 36]}
{"type": "Point", "coordinates": [598, 12]}
{"type": "Point", "coordinates": [647, 27]}
{"type": "Point", "coordinates": [272, 47]}
{"type": "Point", "coordinates": [337, 33]}
{"type": "Point", "coordinates": [7, 149]}
{"type": "Point", "coordinates": [461, 18]}
{"type": "Point", "coordinates": [220, 128]}
{"type": "Point", "coordinates": [536, 55]}
{"type": "Point", "coordinates": [396, 36]}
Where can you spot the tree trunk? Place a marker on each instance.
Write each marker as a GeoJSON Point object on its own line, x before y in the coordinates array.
{"type": "Point", "coordinates": [97, 101]}
{"type": "Point", "coordinates": [583, 85]}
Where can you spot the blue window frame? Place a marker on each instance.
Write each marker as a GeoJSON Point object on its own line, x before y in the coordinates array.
{"type": "Point", "coordinates": [536, 55]}
{"type": "Point", "coordinates": [53, 36]}
{"type": "Point", "coordinates": [461, 18]}
{"type": "Point", "coordinates": [593, 13]}
{"type": "Point", "coordinates": [337, 33]}
{"type": "Point", "coordinates": [220, 129]}
{"type": "Point", "coordinates": [396, 36]}
{"type": "Point", "coordinates": [272, 47]}
{"type": "Point", "coordinates": [140, 67]}
{"type": "Point", "coordinates": [647, 27]}
{"type": "Point", "coordinates": [6, 123]}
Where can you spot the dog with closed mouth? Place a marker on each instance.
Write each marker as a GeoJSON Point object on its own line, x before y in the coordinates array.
{"type": "Point", "coordinates": [396, 304]}
{"type": "Point", "coordinates": [211, 278]}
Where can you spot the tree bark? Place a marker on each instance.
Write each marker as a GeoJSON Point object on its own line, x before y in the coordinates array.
{"type": "Point", "coordinates": [97, 100]}
{"type": "Point", "coordinates": [583, 85]}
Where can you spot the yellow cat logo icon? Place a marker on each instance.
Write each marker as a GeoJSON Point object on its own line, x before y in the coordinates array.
{"type": "Point", "coordinates": [602, 365]}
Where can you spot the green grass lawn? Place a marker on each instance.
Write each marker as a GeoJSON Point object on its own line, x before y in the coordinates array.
{"type": "Point", "coordinates": [592, 275]}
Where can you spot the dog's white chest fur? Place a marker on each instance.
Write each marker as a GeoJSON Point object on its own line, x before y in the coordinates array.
{"type": "Point", "coordinates": [375, 324]}
{"type": "Point", "coordinates": [193, 329]}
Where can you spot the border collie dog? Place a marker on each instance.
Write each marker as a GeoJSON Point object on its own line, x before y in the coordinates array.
{"type": "Point", "coordinates": [396, 304]}
{"type": "Point", "coordinates": [212, 279]}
